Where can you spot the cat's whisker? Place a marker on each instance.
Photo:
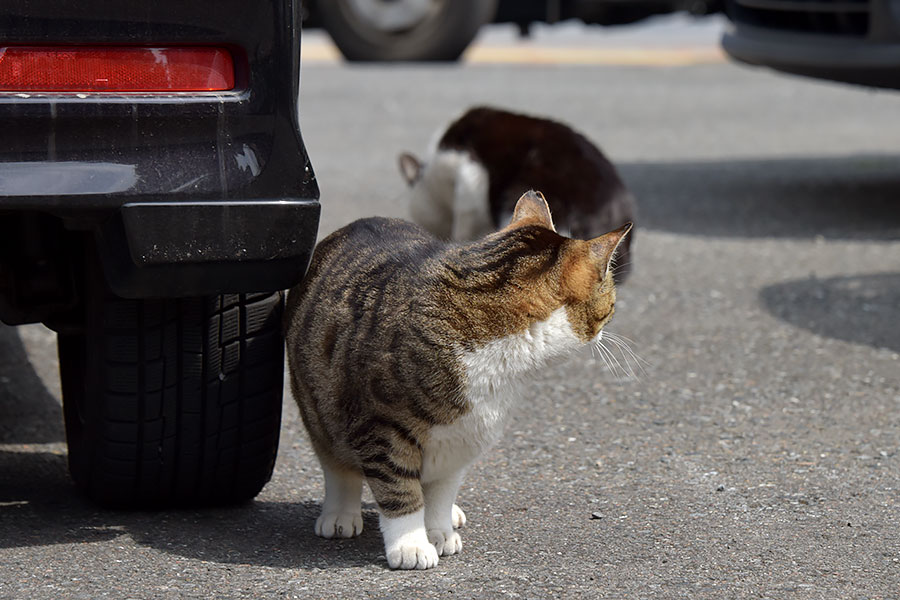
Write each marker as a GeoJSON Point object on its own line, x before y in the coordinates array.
{"type": "Point", "coordinates": [632, 362]}
{"type": "Point", "coordinates": [632, 368]}
{"type": "Point", "coordinates": [625, 344]}
{"type": "Point", "coordinates": [609, 364]}
{"type": "Point", "coordinates": [603, 355]}
{"type": "Point", "coordinates": [608, 333]}
{"type": "Point", "coordinates": [627, 351]}
{"type": "Point", "coordinates": [637, 359]}
{"type": "Point", "coordinates": [613, 360]}
{"type": "Point", "coordinates": [628, 354]}
{"type": "Point", "coordinates": [628, 369]}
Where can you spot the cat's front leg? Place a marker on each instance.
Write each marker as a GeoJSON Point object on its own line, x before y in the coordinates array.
{"type": "Point", "coordinates": [442, 516]}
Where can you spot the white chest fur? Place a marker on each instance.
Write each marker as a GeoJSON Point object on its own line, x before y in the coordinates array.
{"type": "Point", "coordinates": [495, 374]}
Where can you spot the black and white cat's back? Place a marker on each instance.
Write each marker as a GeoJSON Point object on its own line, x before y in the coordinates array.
{"type": "Point", "coordinates": [479, 166]}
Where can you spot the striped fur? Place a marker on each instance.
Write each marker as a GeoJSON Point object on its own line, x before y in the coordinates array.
{"type": "Point", "coordinates": [403, 350]}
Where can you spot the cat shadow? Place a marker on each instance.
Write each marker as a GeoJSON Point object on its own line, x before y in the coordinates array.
{"type": "Point", "coordinates": [862, 309]}
{"type": "Point", "coordinates": [29, 413]}
{"type": "Point", "coordinates": [851, 197]}
{"type": "Point", "coordinates": [39, 506]}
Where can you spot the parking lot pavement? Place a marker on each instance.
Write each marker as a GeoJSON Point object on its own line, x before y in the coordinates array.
{"type": "Point", "coordinates": [756, 455]}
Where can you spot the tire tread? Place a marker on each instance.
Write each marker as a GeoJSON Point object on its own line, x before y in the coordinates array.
{"type": "Point", "coordinates": [176, 420]}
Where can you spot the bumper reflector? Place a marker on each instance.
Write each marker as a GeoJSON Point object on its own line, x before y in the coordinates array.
{"type": "Point", "coordinates": [115, 69]}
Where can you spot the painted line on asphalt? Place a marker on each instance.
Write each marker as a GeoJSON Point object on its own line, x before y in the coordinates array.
{"type": "Point", "coordinates": [318, 52]}
{"type": "Point", "coordinates": [623, 56]}
{"type": "Point", "coordinates": [325, 52]}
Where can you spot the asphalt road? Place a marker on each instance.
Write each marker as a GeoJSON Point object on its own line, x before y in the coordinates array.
{"type": "Point", "coordinates": [755, 457]}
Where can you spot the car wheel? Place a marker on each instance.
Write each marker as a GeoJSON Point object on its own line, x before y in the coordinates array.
{"type": "Point", "coordinates": [173, 402]}
{"type": "Point", "coordinates": [397, 30]}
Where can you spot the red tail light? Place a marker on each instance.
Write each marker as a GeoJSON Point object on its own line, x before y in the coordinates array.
{"type": "Point", "coordinates": [115, 69]}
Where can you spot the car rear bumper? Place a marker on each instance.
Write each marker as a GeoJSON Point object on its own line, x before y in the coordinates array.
{"type": "Point", "coordinates": [183, 199]}
{"type": "Point", "coordinates": [166, 249]}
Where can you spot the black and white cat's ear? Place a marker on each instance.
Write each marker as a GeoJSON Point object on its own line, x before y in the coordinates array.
{"type": "Point", "coordinates": [532, 205]}
{"type": "Point", "coordinates": [410, 167]}
{"type": "Point", "coordinates": [603, 248]}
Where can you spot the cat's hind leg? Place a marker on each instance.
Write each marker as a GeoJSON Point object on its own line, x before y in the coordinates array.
{"type": "Point", "coordinates": [402, 520]}
{"type": "Point", "coordinates": [341, 512]}
{"type": "Point", "coordinates": [406, 543]}
{"type": "Point", "coordinates": [442, 516]}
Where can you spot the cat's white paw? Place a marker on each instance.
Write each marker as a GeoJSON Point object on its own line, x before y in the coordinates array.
{"type": "Point", "coordinates": [459, 517]}
{"type": "Point", "coordinates": [445, 542]}
{"type": "Point", "coordinates": [417, 555]}
{"type": "Point", "coordinates": [339, 525]}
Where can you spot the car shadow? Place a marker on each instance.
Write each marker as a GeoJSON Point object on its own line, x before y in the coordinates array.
{"type": "Point", "coordinates": [272, 534]}
{"type": "Point", "coordinates": [39, 506]}
{"type": "Point", "coordinates": [863, 309]}
{"type": "Point", "coordinates": [852, 197]}
{"type": "Point", "coordinates": [29, 413]}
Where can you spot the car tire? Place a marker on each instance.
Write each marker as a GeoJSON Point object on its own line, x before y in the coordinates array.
{"type": "Point", "coordinates": [173, 402]}
{"type": "Point", "coordinates": [441, 35]}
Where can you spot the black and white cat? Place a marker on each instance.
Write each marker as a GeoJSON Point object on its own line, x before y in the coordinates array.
{"type": "Point", "coordinates": [485, 160]}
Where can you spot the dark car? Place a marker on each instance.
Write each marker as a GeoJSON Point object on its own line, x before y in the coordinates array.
{"type": "Point", "coordinates": [155, 198]}
{"type": "Point", "coordinates": [397, 30]}
{"type": "Point", "coordinates": [854, 41]}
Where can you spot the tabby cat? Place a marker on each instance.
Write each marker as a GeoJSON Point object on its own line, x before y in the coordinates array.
{"type": "Point", "coordinates": [406, 353]}
{"type": "Point", "coordinates": [470, 181]}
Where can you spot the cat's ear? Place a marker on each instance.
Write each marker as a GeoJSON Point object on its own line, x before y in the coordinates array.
{"type": "Point", "coordinates": [410, 167]}
{"type": "Point", "coordinates": [603, 248]}
{"type": "Point", "coordinates": [532, 207]}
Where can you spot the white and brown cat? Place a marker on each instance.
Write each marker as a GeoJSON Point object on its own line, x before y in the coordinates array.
{"type": "Point", "coordinates": [472, 177]}
{"type": "Point", "coordinates": [406, 352]}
